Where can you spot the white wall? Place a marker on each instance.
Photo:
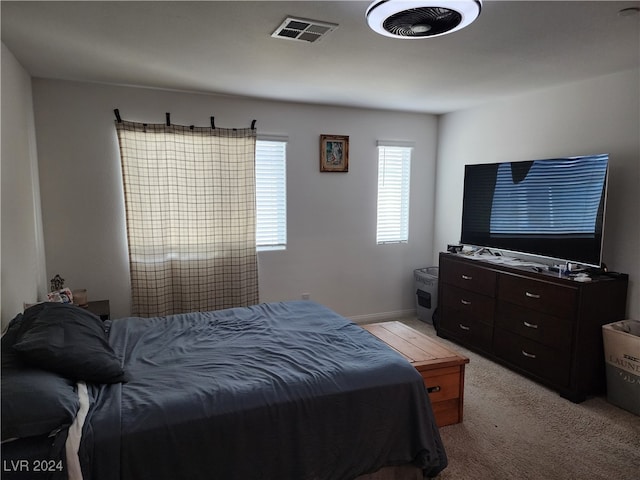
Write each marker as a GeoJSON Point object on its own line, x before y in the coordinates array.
{"type": "Point", "coordinates": [22, 258]}
{"type": "Point", "coordinates": [601, 115]}
{"type": "Point", "coordinates": [331, 250]}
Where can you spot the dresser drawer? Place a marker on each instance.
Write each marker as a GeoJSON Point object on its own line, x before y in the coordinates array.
{"type": "Point", "coordinates": [468, 330]}
{"type": "Point", "coordinates": [550, 298]}
{"type": "Point", "coordinates": [470, 277]}
{"type": "Point", "coordinates": [466, 304]}
{"type": "Point", "coordinates": [547, 363]}
{"type": "Point", "coordinates": [546, 329]}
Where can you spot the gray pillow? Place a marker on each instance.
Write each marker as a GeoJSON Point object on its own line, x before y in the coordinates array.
{"type": "Point", "coordinates": [68, 340]}
{"type": "Point", "coordinates": [34, 401]}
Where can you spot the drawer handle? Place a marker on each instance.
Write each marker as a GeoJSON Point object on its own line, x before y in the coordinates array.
{"type": "Point", "coordinates": [528, 355]}
{"type": "Point", "coordinates": [530, 325]}
{"type": "Point", "coordinates": [465, 302]}
{"type": "Point", "coordinates": [464, 327]}
{"type": "Point", "coordinates": [532, 295]}
{"type": "Point", "coordinates": [467, 277]}
{"type": "Point", "coordinates": [433, 389]}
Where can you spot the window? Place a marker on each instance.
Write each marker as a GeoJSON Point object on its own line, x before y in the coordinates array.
{"type": "Point", "coordinates": [394, 165]}
{"type": "Point", "coordinates": [271, 194]}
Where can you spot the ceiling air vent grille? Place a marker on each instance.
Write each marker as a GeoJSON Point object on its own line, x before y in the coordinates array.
{"type": "Point", "coordinates": [303, 30]}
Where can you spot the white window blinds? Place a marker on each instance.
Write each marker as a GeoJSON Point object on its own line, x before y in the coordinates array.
{"type": "Point", "coordinates": [271, 194]}
{"type": "Point", "coordinates": [394, 165]}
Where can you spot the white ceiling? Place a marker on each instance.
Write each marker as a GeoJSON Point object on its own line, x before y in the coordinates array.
{"type": "Point", "coordinates": [226, 47]}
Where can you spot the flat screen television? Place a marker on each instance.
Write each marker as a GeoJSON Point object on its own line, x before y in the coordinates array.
{"type": "Point", "coordinates": [553, 208]}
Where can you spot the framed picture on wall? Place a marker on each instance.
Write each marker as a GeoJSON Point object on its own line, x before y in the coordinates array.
{"type": "Point", "coordinates": [334, 153]}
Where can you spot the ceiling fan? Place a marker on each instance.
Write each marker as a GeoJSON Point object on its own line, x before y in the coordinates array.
{"type": "Point", "coordinates": [413, 19]}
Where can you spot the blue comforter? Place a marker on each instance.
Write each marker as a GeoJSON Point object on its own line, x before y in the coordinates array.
{"type": "Point", "coordinates": [281, 391]}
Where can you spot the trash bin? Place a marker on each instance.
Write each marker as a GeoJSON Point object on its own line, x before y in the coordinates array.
{"type": "Point", "coordinates": [426, 292]}
{"type": "Point", "coordinates": [622, 363]}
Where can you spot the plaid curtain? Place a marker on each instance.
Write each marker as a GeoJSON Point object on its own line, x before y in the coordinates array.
{"type": "Point", "coordinates": [191, 217]}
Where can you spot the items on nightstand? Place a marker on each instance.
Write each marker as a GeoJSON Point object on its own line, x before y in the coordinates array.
{"type": "Point", "coordinates": [80, 297]}
{"type": "Point", "coordinates": [60, 296]}
{"type": "Point", "coordinates": [57, 283]}
{"type": "Point", "coordinates": [58, 293]}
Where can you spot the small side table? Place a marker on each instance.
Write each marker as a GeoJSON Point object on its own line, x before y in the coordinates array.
{"type": "Point", "coordinates": [100, 308]}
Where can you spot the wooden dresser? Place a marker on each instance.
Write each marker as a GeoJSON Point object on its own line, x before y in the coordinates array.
{"type": "Point", "coordinates": [537, 323]}
{"type": "Point", "coordinates": [442, 369]}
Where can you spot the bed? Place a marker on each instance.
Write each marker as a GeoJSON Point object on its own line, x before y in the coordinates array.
{"type": "Point", "coordinates": [287, 390]}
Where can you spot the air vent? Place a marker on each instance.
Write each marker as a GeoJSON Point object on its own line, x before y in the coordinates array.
{"type": "Point", "coordinates": [303, 30]}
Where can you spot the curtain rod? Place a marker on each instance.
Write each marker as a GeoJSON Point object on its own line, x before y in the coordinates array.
{"type": "Point", "coordinates": [168, 120]}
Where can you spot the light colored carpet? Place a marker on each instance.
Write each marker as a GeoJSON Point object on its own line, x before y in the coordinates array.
{"type": "Point", "coordinates": [517, 429]}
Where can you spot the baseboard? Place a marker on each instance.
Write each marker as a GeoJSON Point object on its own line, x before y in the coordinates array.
{"type": "Point", "coordinates": [382, 317]}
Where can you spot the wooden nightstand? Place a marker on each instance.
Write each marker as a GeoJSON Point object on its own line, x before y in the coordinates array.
{"type": "Point", "coordinates": [100, 308]}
